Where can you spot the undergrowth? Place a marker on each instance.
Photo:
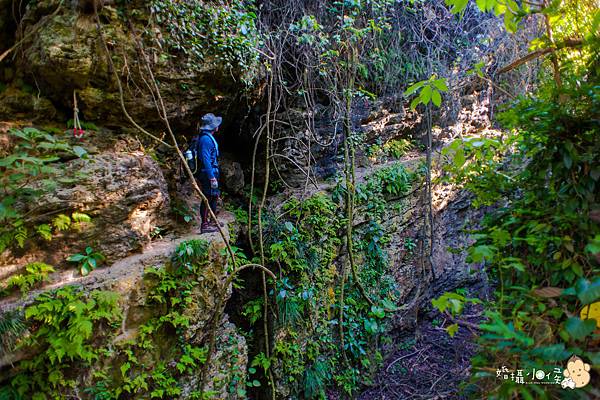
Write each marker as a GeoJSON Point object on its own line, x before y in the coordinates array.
{"type": "Point", "coordinates": [540, 243]}
{"type": "Point", "coordinates": [73, 338]}
{"type": "Point", "coordinates": [306, 251]}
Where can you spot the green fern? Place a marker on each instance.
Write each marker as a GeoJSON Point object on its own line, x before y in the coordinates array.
{"type": "Point", "coordinates": [11, 328]}
{"type": "Point", "coordinates": [35, 273]}
{"type": "Point", "coordinates": [45, 231]}
{"type": "Point", "coordinates": [80, 217]}
{"type": "Point", "coordinates": [21, 235]}
{"type": "Point", "coordinates": [315, 379]}
{"type": "Point", "coordinates": [190, 255]}
{"type": "Point", "coordinates": [62, 222]}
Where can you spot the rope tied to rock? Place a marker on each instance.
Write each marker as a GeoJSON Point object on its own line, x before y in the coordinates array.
{"type": "Point", "coordinates": [78, 131]}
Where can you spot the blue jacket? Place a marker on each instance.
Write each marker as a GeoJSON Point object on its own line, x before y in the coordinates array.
{"type": "Point", "coordinates": [207, 150]}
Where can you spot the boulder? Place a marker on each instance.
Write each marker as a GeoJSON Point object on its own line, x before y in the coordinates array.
{"type": "Point", "coordinates": [125, 194]}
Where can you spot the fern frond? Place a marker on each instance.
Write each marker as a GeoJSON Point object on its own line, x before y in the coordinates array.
{"type": "Point", "coordinates": [11, 328]}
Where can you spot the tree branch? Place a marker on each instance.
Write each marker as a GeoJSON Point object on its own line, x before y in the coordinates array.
{"type": "Point", "coordinates": [568, 43]}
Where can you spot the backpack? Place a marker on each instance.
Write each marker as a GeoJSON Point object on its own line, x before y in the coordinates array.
{"type": "Point", "coordinates": [192, 153]}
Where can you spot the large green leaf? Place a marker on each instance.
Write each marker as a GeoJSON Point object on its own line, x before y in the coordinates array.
{"type": "Point", "coordinates": [415, 102]}
{"type": "Point", "coordinates": [457, 6]}
{"type": "Point", "coordinates": [436, 98]}
{"type": "Point", "coordinates": [413, 88]}
{"type": "Point", "coordinates": [440, 84]}
{"type": "Point", "coordinates": [588, 292]}
{"type": "Point", "coordinates": [79, 151]}
{"type": "Point", "coordinates": [555, 352]}
{"type": "Point", "coordinates": [76, 257]}
{"type": "Point", "coordinates": [578, 329]}
{"type": "Point", "coordinates": [426, 94]}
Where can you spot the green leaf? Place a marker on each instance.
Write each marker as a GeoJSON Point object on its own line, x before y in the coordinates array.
{"type": "Point", "coordinates": [413, 88]}
{"type": "Point", "coordinates": [458, 6]}
{"type": "Point", "coordinates": [513, 7]}
{"type": "Point", "coordinates": [388, 305]}
{"type": "Point", "coordinates": [76, 257]}
{"type": "Point", "coordinates": [452, 329]}
{"type": "Point", "coordinates": [482, 252]}
{"type": "Point", "coordinates": [378, 311]}
{"type": "Point", "coordinates": [416, 101]}
{"type": "Point", "coordinates": [482, 5]}
{"type": "Point", "coordinates": [440, 303]}
{"type": "Point", "coordinates": [62, 222]}
{"type": "Point", "coordinates": [436, 98]}
{"type": "Point", "coordinates": [593, 246]}
{"type": "Point", "coordinates": [588, 292]}
{"type": "Point", "coordinates": [45, 231]}
{"type": "Point", "coordinates": [555, 352]}
{"type": "Point", "coordinates": [567, 160]}
{"type": "Point", "coordinates": [510, 22]}
{"type": "Point", "coordinates": [124, 368]}
{"type": "Point", "coordinates": [79, 151]}
{"type": "Point", "coordinates": [441, 84]}
{"type": "Point", "coordinates": [370, 326]}
{"type": "Point", "coordinates": [578, 329]}
{"type": "Point", "coordinates": [426, 94]}
{"type": "Point", "coordinates": [459, 158]}
{"type": "Point", "coordinates": [80, 217]}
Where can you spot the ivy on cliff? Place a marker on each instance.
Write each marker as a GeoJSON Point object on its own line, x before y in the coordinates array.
{"type": "Point", "coordinates": [72, 336]}
{"type": "Point", "coordinates": [200, 30]}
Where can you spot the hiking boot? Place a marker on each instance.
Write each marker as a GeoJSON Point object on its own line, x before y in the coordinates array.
{"type": "Point", "coordinates": [209, 228]}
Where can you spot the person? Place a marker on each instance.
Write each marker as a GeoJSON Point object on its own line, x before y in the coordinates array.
{"type": "Point", "coordinates": [206, 152]}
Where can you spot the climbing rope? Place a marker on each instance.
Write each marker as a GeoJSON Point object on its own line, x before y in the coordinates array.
{"type": "Point", "coordinates": [78, 131]}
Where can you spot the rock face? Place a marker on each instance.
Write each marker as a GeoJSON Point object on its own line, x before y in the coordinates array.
{"type": "Point", "coordinates": [17, 103]}
{"type": "Point", "coordinates": [312, 140]}
{"type": "Point", "coordinates": [232, 174]}
{"type": "Point", "coordinates": [125, 194]}
{"type": "Point", "coordinates": [65, 49]}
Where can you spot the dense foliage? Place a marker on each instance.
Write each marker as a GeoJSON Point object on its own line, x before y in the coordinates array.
{"type": "Point", "coordinates": [306, 249]}
{"type": "Point", "coordinates": [325, 314]}
{"type": "Point", "coordinates": [541, 242]}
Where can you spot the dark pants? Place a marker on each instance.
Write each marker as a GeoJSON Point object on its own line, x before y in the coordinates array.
{"type": "Point", "coordinates": [211, 194]}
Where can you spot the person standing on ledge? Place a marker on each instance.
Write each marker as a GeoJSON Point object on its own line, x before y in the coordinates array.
{"type": "Point", "coordinates": [205, 151]}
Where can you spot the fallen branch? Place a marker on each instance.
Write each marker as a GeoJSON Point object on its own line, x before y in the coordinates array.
{"type": "Point", "coordinates": [406, 356]}
{"type": "Point", "coordinates": [466, 324]}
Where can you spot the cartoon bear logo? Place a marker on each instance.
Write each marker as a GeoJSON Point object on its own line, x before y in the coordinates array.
{"type": "Point", "coordinates": [577, 374]}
